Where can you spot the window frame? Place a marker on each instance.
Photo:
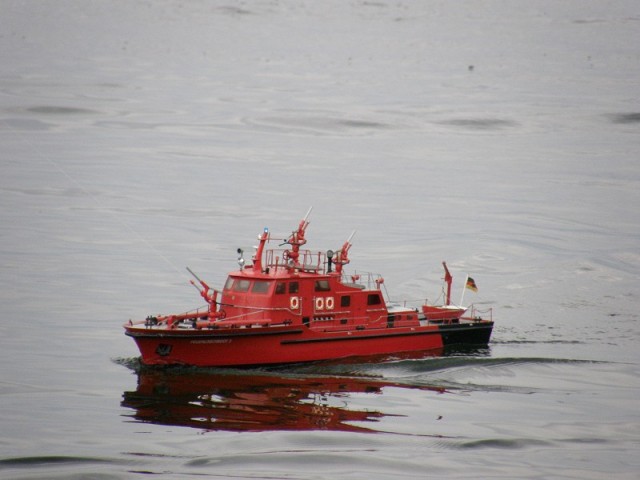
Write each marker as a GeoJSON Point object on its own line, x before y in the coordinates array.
{"type": "Point", "coordinates": [322, 285]}
{"type": "Point", "coordinates": [374, 299]}
{"type": "Point", "coordinates": [261, 287]}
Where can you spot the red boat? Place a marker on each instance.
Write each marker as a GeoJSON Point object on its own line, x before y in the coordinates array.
{"type": "Point", "coordinates": [294, 305]}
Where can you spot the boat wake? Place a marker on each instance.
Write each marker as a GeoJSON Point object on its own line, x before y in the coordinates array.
{"type": "Point", "coordinates": [321, 396]}
{"type": "Point", "coordinates": [395, 370]}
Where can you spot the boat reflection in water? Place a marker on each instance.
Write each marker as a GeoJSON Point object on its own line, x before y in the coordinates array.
{"type": "Point", "coordinates": [250, 401]}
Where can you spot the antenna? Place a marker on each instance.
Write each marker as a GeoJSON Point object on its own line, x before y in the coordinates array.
{"type": "Point", "coordinates": [308, 213]}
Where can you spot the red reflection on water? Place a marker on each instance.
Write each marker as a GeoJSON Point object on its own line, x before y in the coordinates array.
{"type": "Point", "coordinates": [253, 402]}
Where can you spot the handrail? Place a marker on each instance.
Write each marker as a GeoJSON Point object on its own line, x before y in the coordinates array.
{"type": "Point", "coordinates": [477, 313]}
{"type": "Point", "coordinates": [308, 260]}
{"type": "Point", "coordinates": [372, 279]}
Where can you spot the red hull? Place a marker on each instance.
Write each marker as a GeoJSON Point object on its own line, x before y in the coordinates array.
{"type": "Point", "coordinates": [277, 345]}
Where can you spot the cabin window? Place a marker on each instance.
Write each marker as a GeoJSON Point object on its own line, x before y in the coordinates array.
{"type": "Point", "coordinates": [229, 284]}
{"type": "Point", "coordinates": [374, 299]}
{"type": "Point", "coordinates": [345, 301]}
{"type": "Point", "coordinates": [241, 285]}
{"type": "Point", "coordinates": [281, 288]}
{"type": "Point", "coordinates": [261, 286]}
{"type": "Point", "coordinates": [322, 286]}
{"type": "Point", "coordinates": [391, 318]}
{"type": "Point", "coordinates": [294, 287]}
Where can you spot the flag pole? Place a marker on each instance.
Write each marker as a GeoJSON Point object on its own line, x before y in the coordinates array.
{"type": "Point", "coordinates": [464, 287]}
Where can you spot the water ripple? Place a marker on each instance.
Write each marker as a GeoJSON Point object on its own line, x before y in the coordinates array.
{"type": "Point", "coordinates": [28, 124]}
{"type": "Point", "coordinates": [503, 443]}
{"type": "Point", "coordinates": [48, 460]}
{"type": "Point", "coordinates": [55, 110]}
{"type": "Point", "coordinates": [626, 118]}
{"type": "Point", "coordinates": [318, 124]}
{"type": "Point", "coordinates": [480, 123]}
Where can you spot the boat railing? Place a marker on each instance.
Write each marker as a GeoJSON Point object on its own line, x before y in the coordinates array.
{"type": "Point", "coordinates": [329, 322]}
{"type": "Point", "coordinates": [316, 262]}
{"type": "Point", "coordinates": [363, 280]}
{"type": "Point", "coordinates": [478, 314]}
{"type": "Point", "coordinates": [308, 261]}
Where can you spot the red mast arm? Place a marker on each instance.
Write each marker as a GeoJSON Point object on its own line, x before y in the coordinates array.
{"type": "Point", "coordinates": [448, 279]}
{"type": "Point", "coordinates": [257, 258]}
{"type": "Point", "coordinates": [296, 240]}
{"type": "Point", "coordinates": [342, 258]}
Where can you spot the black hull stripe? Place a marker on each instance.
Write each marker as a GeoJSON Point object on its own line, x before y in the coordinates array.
{"type": "Point", "coordinates": [441, 329]}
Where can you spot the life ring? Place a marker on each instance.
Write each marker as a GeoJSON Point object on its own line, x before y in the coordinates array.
{"type": "Point", "coordinates": [320, 303]}
{"type": "Point", "coordinates": [329, 303]}
{"type": "Point", "coordinates": [294, 303]}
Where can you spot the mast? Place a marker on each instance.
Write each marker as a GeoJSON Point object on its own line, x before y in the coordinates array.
{"type": "Point", "coordinates": [342, 257]}
{"type": "Point", "coordinates": [257, 257]}
{"type": "Point", "coordinates": [464, 287]}
{"type": "Point", "coordinates": [448, 279]}
{"type": "Point", "coordinates": [296, 239]}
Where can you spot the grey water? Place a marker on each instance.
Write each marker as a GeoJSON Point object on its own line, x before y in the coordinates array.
{"type": "Point", "coordinates": [137, 138]}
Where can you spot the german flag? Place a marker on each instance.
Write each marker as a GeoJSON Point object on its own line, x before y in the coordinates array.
{"type": "Point", "coordinates": [471, 284]}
